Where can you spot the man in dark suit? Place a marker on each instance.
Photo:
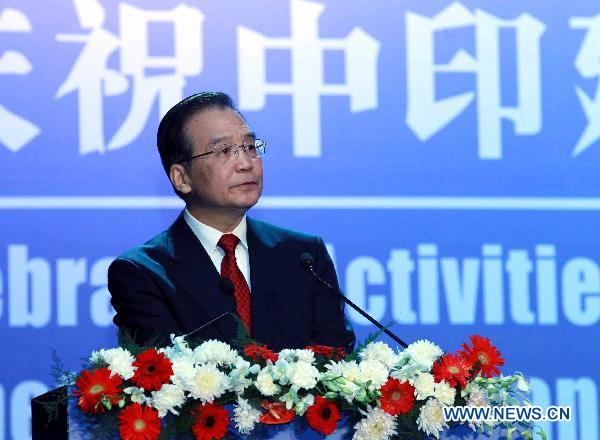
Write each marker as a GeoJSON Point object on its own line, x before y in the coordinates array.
{"type": "Point", "coordinates": [173, 283]}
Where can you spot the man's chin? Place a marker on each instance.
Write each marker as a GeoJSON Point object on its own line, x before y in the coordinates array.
{"type": "Point", "coordinates": [247, 202]}
{"type": "Point", "coordinates": [246, 197]}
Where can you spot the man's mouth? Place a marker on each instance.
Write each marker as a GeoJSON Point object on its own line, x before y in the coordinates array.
{"type": "Point", "coordinates": [245, 185]}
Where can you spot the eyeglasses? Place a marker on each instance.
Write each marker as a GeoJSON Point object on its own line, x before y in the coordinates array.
{"type": "Point", "coordinates": [225, 152]}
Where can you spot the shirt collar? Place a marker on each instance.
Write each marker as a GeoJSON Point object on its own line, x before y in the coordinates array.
{"type": "Point", "coordinates": [209, 236]}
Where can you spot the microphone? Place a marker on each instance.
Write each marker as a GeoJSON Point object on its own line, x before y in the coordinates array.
{"type": "Point", "coordinates": [227, 288]}
{"type": "Point", "coordinates": [307, 261]}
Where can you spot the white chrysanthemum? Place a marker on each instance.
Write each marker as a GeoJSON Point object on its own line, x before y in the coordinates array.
{"type": "Point", "coordinates": [245, 416]}
{"type": "Point", "coordinates": [183, 369]}
{"type": "Point", "coordinates": [295, 355]}
{"type": "Point", "coordinates": [215, 352]}
{"type": "Point", "coordinates": [137, 395]}
{"type": "Point", "coordinates": [348, 370]}
{"type": "Point", "coordinates": [167, 399]}
{"type": "Point", "coordinates": [302, 375]}
{"type": "Point", "coordinates": [381, 352]}
{"type": "Point", "coordinates": [119, 361]}
{"type": "Point", "coordinates": [208, 383]}
{"type": "Point", "coordinates": [431, 418]}
{"type": "Point", "coordinates": [424, 386]}
{"type": "Point", "coordinates": [374, 371]}
{"type": "Point", "coordinates": [478, 398]}
{"type": "Point", "coordinates": [445, 393]}
{"type": "Point", "coordinates": [264, 382]}
{"type": "Point", "coordinates": [377, 425]}
{"type": "Point", "coordinates": [424, 353]}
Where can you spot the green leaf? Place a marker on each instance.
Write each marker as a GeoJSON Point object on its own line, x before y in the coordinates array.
{"type": "Point", "coordinates": [127, 341]}
{"type": "Point", "coordinates": [241, 337]}
{"type": "Point", "coordinates": [362, 395]}
{"type": "Point", "coordinates": [509, 433]}
{"type": "Point", "coordinates": [332, 386]}
{"type": "Point", "coordinates": [372, 395]}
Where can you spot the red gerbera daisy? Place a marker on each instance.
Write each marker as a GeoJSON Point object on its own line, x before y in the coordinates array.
{"type": "Point", "coordinates": [323, 415]}
{"type": "Point", "coordinates": [397, 397]}
{"type": "Point", "coordinates": [153, 369]}
{"type": "Point", "coordinates": [482, 355]}
{"type": "Point", "coordinates": [335, 353]}
{"type": "Point", "coordinates": [211, 421]}
{"type": "Point", "coordinates": [137, 422]}
{"type": "Point", "coordinates": [258, 351]}
{"type": "Point", "coordinates": [93, 385]}
{"type": "Point", "coordinates": [453, 369]}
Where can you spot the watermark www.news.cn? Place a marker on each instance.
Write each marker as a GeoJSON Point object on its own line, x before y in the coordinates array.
{"type": "Point", "coordinates": [507, 413]}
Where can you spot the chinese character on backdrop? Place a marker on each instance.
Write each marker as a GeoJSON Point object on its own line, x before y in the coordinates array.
{"type": "Point", "coordinates": [587, 64]}
{"type": "Point", "coordinates": [15, 131]}
{"type": "Point", "coordinates": [94, 81]}
{"type": "Point", "coordinates": [427, 115]}
{"type": "Point", "coordinates": [307, 86]}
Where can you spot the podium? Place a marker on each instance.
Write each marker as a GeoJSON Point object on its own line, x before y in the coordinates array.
{"type": "Point", "coordinates": [41, 425]}
{"type": "Point", "coordinates": [72, 424]}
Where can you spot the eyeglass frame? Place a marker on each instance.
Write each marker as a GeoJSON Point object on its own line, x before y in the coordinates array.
{"type": "Point", "coordinates": [236, 148]}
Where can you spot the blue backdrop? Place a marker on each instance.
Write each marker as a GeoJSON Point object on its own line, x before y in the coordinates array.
{"type": "Point", "coordinates": [447, 152]}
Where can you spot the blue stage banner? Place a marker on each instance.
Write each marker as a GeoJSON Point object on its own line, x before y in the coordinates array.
{"type": "Point", "coordinates": [447, 152]}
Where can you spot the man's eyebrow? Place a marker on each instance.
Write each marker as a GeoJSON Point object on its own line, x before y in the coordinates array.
{"type": "Point", "coordinates": [219, 139]}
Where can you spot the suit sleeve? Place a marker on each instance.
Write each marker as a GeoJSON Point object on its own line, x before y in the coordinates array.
{"type": "Point", "coordinates": [330, 326]}
{"type": "Point", "coordinates": [140, 306]}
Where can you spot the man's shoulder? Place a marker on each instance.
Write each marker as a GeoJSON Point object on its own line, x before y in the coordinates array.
{"type": "Point", "coordinates": [279, 233]}
{"type": "Point", "coordinates": [152, 253]}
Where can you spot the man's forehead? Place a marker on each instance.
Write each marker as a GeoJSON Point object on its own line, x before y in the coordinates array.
{"type": "Point", "coordinates": [216, 124]}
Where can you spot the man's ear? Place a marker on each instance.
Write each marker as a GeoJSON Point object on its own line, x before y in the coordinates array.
{"type": "Point", "coordinates": [179, 178]}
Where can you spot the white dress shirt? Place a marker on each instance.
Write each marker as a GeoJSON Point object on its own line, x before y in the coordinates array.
{"type": "Point", "coordinates": [209, 237]}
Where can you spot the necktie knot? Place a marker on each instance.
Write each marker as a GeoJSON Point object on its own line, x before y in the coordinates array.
{"type": "Point", "coordinates": [228, 243]}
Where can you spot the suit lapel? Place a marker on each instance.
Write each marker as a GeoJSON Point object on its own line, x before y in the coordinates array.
{"type": "Point", "coordinates": [197, 276]}
{"type": "Point", "coordinates": [268, 276]}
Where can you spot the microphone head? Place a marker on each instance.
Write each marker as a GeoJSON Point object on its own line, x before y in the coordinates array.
{"type": "Point", "coordinates": [226, 286]}
{"type": "Point", "coordinates": [306, 260]}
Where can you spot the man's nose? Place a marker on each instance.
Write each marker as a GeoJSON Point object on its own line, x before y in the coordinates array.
{"type": "Point", "coordinates": [242, 160]}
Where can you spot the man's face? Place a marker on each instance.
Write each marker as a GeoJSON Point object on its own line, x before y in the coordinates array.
{"type": "Point", "coordinates": [232, 186]}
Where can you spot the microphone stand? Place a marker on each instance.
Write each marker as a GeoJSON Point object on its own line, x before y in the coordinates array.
{"type": "Point", "coordinates": [307, 262]}
{"type": "Point", "coordinates": [206, 324]}
{"type": "Point", "coordinates": [227, 288]}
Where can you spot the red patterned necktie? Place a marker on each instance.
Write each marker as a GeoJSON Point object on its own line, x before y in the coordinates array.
{"type": "Point", "coordinates": [230, 269]}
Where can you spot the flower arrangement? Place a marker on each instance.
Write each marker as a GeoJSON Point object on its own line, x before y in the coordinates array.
{"type": "Point", "coordinates": [213, 390]}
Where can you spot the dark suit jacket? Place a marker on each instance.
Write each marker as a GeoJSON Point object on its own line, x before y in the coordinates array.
{"type": "Point", "coordinates": [170, 285]}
